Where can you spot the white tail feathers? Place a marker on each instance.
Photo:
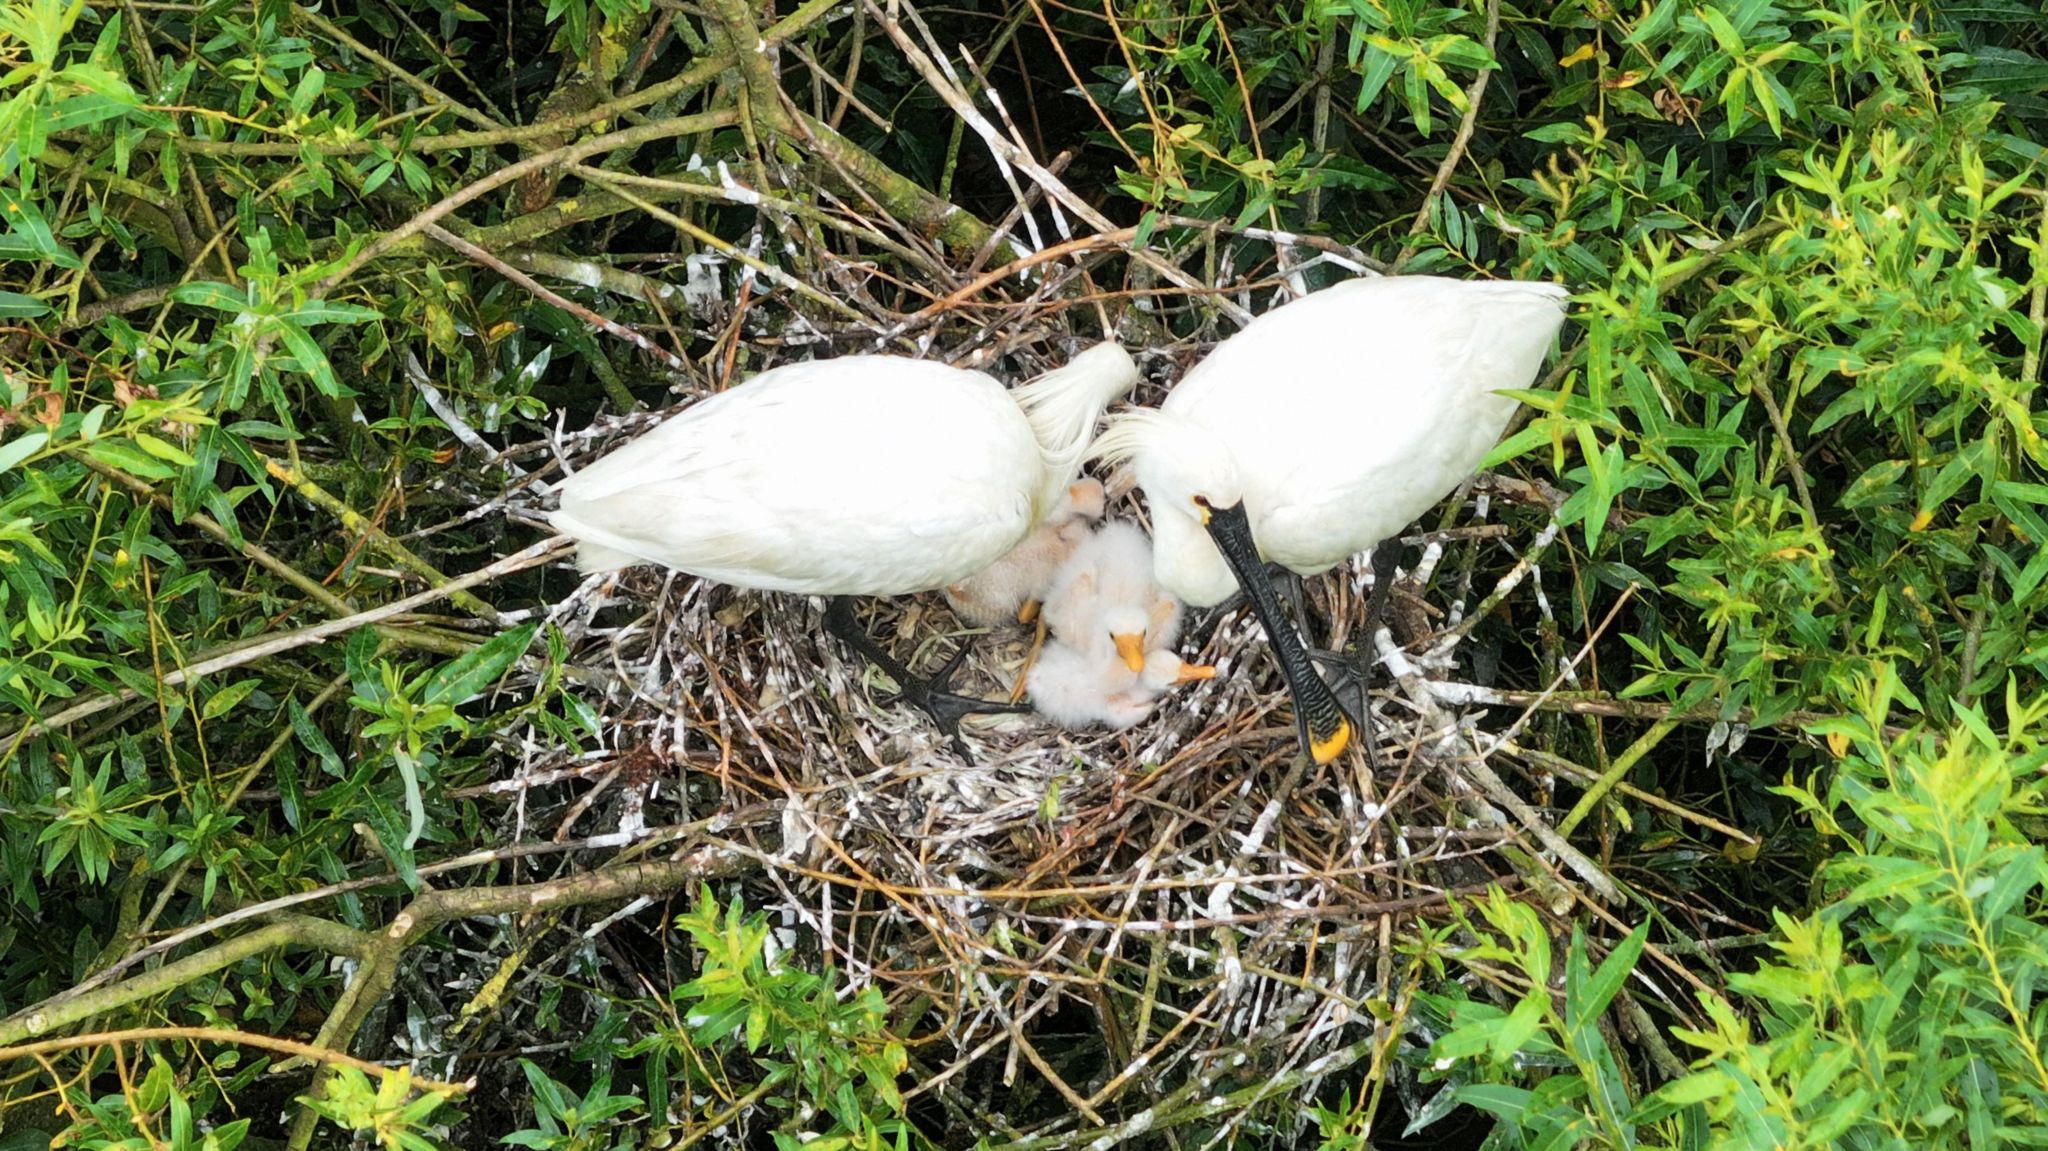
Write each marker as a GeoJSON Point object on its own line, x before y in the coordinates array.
{"type": "Point", "coordinates": [1065, 405]}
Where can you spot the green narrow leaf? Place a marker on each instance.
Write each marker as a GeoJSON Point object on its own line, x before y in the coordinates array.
{"type": "Point", "coordinates": [313, 740]}
{"type": "Point", "coordinates": [220, 702]}
{"type": "Point", "coordinates": [126, 456]}
{"type": "Point", "coordinates": [470, 674]}
{"type": "Point", "coordinates": [15, 306]}
{"type": "Point", "coordinates": [19, 448]}
{"type": "Point", "coordinates": [163, 449]}
{"type": "Point", "coordinates": [312, 360]}
{"type": "Point", "coordinates": [1607, 982]}
{"type": "Point", "coordinates": [209, 294]}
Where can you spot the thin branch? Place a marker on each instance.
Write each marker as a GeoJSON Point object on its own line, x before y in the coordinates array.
{"type": "Point", "coordinates": [1459, 142]}
{"type": "Point", "coordinates": [223, 1035]}
{"type": "Point", "coordinates": [239, 655]}
{"type": "Point", "coordinates": [289, 931]}
{"type": "Point", "coordinates": [582, 150]}
{"type": "Point", "coordinates": [557, 299]}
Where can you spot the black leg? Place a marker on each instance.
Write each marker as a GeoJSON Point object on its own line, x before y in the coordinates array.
{"type": "Point", "coordinates": [927, 694]}
{"type": "Point", "coordinates": [1318, 715]}
{"type": "Point", "coordinates": [1205, 627]}
{"type": "Point", "coordinates": [1386, 557]}
{"type": "Point", "coordinates": [1351, 672]}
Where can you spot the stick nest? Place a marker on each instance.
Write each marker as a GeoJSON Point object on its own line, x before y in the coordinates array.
{"type": "Point", "coordinates": [1135, 926]}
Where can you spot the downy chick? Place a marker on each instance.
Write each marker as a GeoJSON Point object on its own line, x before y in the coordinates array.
{"type": "Point", "coordinates": [1105, 592]}
{"type": "Point", "coordinates": [1074, 688]}
{"type": "Point", "coordinates": [1008, 590]}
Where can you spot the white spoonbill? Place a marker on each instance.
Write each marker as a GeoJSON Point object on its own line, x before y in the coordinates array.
{"type": "Point", "coordinates": [1321, 429]}
{"type": "Point", "coordinates": [1009, 590]}
{"type": "Point", "coordinates": [1075, 688]}
{"type": "Point", "coordinates": [862, 475]}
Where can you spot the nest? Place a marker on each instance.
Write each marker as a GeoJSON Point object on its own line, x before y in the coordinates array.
{"type": "Point", "coordinates": [1129, 930]}
{"type": "Point", "coordinates": [1225, 915]}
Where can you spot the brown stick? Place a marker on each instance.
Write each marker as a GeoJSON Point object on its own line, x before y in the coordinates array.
{"type": "Point", "coordinates": [222, 1035]}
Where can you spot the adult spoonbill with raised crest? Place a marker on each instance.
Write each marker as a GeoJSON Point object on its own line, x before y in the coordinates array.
{"type": "Point", "coordinates": [858, 476]}
{"type": "Point", "coordinates": [1321, 429]}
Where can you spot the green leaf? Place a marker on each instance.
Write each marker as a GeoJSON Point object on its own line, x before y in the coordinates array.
{"type": "Point", "coordinates": [83, 111]}
{"type": "Point", "coordinates": [15, 306]}
{"type": "Point", "coordinates": [1591, 997]}
{"type": "Point", "coordinates": [20, 448]}
{"type": "Point", "coordinates": [470, 674]}
{"type": "Point", "coordinates": [209, 294]}
{"type": "Point", "coordinates": [312, 739]}
{"type": "Point", "coordinates": [126, 456]}
{"type": "Point", "coordinates": [311, 359]}
{"type": "Point", "coordinates": [220, 702]}
{"type": "Point", "coordinates": [314, 312]}
{"type": "Point", "coordinates": [163, 450]}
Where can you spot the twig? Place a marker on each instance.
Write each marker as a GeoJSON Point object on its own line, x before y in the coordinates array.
{"type": "Point", "coordinates": [937, 72]}
{"type": "Point", "coordinates": [700, 72]}
{"type": "Point", "coordinates": [1546, 761]}
{"type": "Point", "coordinates": [238, 655]}
{"type": "Point", "coordinates": [569, 154]}
{"type": "Point", "coordinates": [224, 1035]}
{"type": "Point", "coordinates": [290, 931]}
{"type": "Point", "coordinates": [560, 301]}
{"type": "Point", "coordinates": [335, 33]}
{"type": "Point", "coordinates": [1475, 770]}
{"type": "Point", "coordinates": [355, 521]}
{"type": "Point", "coordinates": [431, 909]}
{"type": "Point", "coordinates": [1459, 142]}
{"type": "Point", "coordinates": [744, 818]}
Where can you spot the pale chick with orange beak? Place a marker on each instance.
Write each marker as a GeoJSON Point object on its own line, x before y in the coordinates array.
{"type": "Point", "coordinates": [1105, 591]}
{"type": "Point", "coordinates": [1112, 625]}
{"type": "Point", "coordinates": [1076, 688]}
{"type": "Point", "coordinates": [1008, 590]}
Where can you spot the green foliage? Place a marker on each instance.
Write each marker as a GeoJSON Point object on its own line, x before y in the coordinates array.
{"type": "Point", "coordinates": [1900, 1015]}
{"type": "Point", "coordinates": [1796, 426]}
{"type": "Point", "coordinates": [391, 1113]}
{"type": "Point", "coordinates": [1904, 1013]}
{"type": "Point", "coordinates": [826, 1066]}
{"type": "Point", "coordinates": [572, 1122]}
{"type": "Point", "coordinates": [157, 1115]}
{"type": "Point", "coordinates": [1585, 1100]}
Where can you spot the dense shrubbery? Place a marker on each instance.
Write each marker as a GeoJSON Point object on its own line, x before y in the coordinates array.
{"type": "Point", "coordinates": [1795, 431]}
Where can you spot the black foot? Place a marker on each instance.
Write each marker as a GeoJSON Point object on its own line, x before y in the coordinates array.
{"type": "Point", "coordinates": [1349, 674]}
{"type": "Point", "coordinates": [947, 708]}
{"type": "Point", "coordinates": [927, 694]}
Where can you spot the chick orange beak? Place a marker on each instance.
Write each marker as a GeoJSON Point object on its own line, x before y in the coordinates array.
{"type": "Point", "coordinates": [1190, 672]}
{"type": "Point", "coordinates": [1029, 612]}
{"type": "Point", "coordinates": [1132, 649]}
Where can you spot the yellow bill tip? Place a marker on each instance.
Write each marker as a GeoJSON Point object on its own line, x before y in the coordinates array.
{"type": "Point", "coordinates": [1190, 672]}
{"type": "Point", "coordinates": [1323, 749]}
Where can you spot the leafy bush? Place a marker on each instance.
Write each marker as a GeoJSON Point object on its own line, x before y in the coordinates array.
{"type": "Point", "coordinates": [1794, 436]}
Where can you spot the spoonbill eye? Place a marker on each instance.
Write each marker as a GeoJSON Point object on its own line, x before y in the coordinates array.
{"type": "Point", "coordinates": [1202, 502]}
